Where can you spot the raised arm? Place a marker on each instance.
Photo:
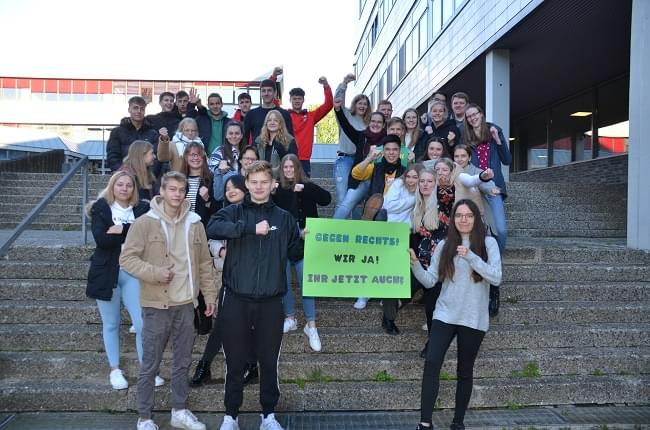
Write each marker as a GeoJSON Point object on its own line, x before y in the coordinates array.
{"type": "Point", "coordinates": [322, 110]}
{"type": "Point", "coordinates": [228, 224]}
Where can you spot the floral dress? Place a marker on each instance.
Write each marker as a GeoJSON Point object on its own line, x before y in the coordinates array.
{"type": "Point", "coordinates": [427, 240]}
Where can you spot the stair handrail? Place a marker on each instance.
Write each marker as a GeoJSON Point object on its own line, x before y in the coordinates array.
{"type": "Point", "coordinates": [80, 164]}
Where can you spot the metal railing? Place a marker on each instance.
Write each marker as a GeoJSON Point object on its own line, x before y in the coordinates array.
{"type": "Point", "coordinates": [80, 164]}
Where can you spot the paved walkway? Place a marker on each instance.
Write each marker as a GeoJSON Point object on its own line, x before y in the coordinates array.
{"type": "Point", "coordinates": [563, 417]}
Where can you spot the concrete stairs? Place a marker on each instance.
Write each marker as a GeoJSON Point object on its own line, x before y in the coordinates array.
{"type": "Point", "coordinates": [533, 209]}
{"type": "Point", "coordinates": [573, 329]}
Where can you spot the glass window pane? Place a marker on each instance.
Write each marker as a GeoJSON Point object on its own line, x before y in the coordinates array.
{"type": "Point", "coordinates": [447, 10]}
{"type": "Point", "coordinates": [436, 14]}
{"type": "Point", "coordinates": [424, 40]}
{"type": "Point", "coordinates": [571, 129]}
{"type": "Point", "coordinates": [613, 116]}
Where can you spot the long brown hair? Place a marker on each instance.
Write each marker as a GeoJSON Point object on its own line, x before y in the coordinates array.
{"type": "Point", "coordinates": [134, 163]}
{"type": "Point", "coordinates": [299, 176]}
{"type": "Point", "coordinates": [283, 135]}
{"type": "Point", "coordinates": [353, 107]}
{"type": "Point", "coordinates": [226, 148]}
{"type": "Point", "coordinates": [417, 132]}
{"type": "Point", "coordinates": [446, 266]}
{"type": "Point", "coordinates": [470, 137]}
{"type": "Point", "coordinates": [206, 175]}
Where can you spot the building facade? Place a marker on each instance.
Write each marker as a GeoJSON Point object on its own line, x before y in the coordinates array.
{"type": "Point", "coordinates": [84, 109]}
{"type": "Point", "coordinates": [558, 76]}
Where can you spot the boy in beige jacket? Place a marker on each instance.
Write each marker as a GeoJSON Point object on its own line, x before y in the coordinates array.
{"type": "Point", "coordinates": [167, 250]}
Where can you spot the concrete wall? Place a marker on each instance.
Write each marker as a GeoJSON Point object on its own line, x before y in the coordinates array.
{"type": "Point", "coordinates": [610, 170]}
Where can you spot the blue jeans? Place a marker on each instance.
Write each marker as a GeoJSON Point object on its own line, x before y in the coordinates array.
{"type": "Point", "coordinates": [128, 290]}
{"type": "Point", "coordinates": [352, 198]}
{"type": "Point", "coordinates": [342, 168]}
{"type": "Point", "coordinates": [289, 300]}
{"type": "Point", "coordinates": [499, 215]}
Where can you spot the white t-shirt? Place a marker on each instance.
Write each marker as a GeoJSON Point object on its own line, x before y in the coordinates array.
{"type": "Point", "coordinates": [122, 215]}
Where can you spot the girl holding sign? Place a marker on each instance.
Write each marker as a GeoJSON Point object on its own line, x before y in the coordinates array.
{"type": "Point", "coordinates": [466, 263]}
{"type": "Point", "coordinates": [300, 197]}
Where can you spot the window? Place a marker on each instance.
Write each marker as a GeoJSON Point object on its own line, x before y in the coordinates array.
{"type": "Point", "coordinates": [436, 17]}
{"type": "Point", "coordinates": [447, 10]}
{"type": "Point", "coordinates": [373, 32]}
{"type": "Point", "coordinates": [613, 116]}
{"type": "Point", "coordinates": [408, 53]}
{"type": "Point", "coordinates": [402, 62]}
{"type": "Point", "coordinates": [424, 39]}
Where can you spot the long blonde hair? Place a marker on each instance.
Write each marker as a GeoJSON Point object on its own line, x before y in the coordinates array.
{"type": "Point", "coordinates": [283, 135]}
{"type": "Point", "coordinates": [425, 212]}
{"type": "Point", "coordinates": [134, 163]}
{"type": "Point", "coordinates": [108, 194]}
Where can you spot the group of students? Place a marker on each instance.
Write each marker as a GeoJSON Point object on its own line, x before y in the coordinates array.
{"type": "Point", "coordinates": [223, 201]}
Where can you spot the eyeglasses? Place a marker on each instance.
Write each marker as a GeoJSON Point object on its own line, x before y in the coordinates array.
{"type": "Point", "coordinates": [249, 159]}
{"type": "Point", "coordinates": [465, 216]}
{"type": "Point", "coordinates": [474, 115]}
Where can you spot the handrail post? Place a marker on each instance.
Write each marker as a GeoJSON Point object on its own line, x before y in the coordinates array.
{"type": "Point", "coordinates": [84, 201]}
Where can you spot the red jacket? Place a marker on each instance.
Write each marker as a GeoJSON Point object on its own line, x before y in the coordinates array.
{"type": "Point", "coordinates": [304, 121]}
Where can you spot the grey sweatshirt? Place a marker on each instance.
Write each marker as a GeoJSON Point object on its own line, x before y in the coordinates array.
{"type": "Point", "coordinates": [345, 144]}
{"type": "Point", "coordinates": [463, 301]}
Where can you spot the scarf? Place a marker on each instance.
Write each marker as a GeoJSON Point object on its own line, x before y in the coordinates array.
{"type": "Point", "coordinates": [372, 139]}
{"type": "Point", "coordinates": [181, 142]}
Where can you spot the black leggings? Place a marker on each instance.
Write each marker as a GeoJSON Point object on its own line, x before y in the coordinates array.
{"type": "Point", "coordinates": [213, 345]}
{"type": "Point", "coordinates": [468, 341]}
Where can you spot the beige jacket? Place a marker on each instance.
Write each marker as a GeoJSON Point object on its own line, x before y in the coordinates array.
{"type": "Point", "coordinates": [167, 152]}
{"type": "Point", "coordinates": [146, 250]}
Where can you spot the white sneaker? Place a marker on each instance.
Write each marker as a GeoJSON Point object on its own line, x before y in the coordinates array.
{"type": "Point", "coordinates": [146, 425]}
{"type": "Point", "coordinates": [361, 303]}
{"type": "Point", "coordinates": [132, 330]}
{"type": "Point", "coordinates": [289, 325]}
{"type": "Point", "coordinates": [270, 423]}
{"type": "Point", "coordinates": [118, 381]}
{"type": "Point", "coordinates": [184, 419]}
{"type": "Point", "coordinates": [314, 340]}
{"type": "Point", "coordinates": [424, 327]}
{"type": "Point", "coordinates": [229, 424]}
{"type": "Point", "coordinates": [158, 381]}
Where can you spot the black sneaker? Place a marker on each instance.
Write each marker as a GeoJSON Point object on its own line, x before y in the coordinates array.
{"type": "Point", "coordinates": [457, 426]}
{"type": "Point", "coordinates": [201, 374]}
{"type": "Point", "coordinates": [493, 307]}
{"type": "Point", "coordinates": [421, 427]}
{"type": "Point", "coordinates": [251, 375]}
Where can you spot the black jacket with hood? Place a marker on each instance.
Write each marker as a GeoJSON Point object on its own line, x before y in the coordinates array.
{"type": "Point", "coordinates": [255, 265]}
{"type": "Point", "coordinates": [123, 136]}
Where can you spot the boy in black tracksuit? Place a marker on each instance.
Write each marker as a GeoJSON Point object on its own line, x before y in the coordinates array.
{"type": "Point", "coordinates": [261, 237]}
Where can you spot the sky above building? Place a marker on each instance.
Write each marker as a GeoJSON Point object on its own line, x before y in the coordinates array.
{"type": "Point", "coordinates": [179, 40]}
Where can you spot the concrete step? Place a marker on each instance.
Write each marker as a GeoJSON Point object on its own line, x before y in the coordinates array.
{"type": "Point", "coordinates": [47, 218]}
{"type": "Point", "coordinates": [351, 366]}
{"type": "Point", "coordinates": [69, 191]}
{"type": "Point", "coordinates": [332, 314]}
{"type": "Point", "coordinates": [571, 253]}
{"type": "Point", "coordinates": [511, 292]}
{"type": "Point", "coordinates": [541, 272]}
{"type": "Point", "coordinates": [25, 208]}
{"type": "Point", "coordinates": [560, 216]}
{"type": "Point", "coordinates": [549, 223]}
{"type": "Point", "coordinates": [63, 226]}
{"type": "Point", "coordinates": [533, 232]}
{"type": "Point", "coordinates": [76, 337]}
{"type": "Point", "coordinates": [400, 395]}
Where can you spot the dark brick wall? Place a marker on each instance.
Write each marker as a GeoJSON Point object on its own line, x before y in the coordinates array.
{"type": "Point", "coordinates": [610, 170]}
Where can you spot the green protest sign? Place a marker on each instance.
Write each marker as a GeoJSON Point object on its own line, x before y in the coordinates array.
{"type": "Point", "coordinates": [345, 258]}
